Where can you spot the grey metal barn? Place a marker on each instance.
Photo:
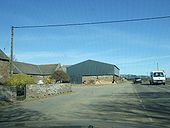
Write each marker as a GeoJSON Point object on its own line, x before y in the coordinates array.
{"type": "Point", "coordinates": [91, 68]}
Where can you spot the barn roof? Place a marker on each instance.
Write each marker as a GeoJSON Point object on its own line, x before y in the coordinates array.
{"type": "Point", "coordinates": [91, 67]}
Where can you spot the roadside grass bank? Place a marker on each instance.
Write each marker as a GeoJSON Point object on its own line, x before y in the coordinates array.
{"type": "Point", "coordinates": [167, 81]}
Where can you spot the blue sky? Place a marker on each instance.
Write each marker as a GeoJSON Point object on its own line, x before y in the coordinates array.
{"type": "Point", "coordinates": [135, 47]}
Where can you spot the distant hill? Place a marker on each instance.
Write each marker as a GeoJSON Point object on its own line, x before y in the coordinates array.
{"type": "Point", "coordinates": [131, 76]}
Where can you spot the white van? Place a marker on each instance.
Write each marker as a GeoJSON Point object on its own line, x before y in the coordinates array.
{"type": "Point", "coordinates": [157, 77]}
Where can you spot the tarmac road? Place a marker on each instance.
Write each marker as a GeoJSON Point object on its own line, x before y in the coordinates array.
{"type": "Point", "coordinates": [126, 105]}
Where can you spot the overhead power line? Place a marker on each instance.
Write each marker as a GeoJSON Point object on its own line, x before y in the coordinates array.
{"type": "Point", "coordinates": [99, 22]}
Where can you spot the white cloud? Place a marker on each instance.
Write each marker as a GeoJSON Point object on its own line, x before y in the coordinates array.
{"type": "Point", "coordinates": [137, 60]}
{"type": "Point", "coordinates": [107, 56]}
{"type": "Point", "coordinates": [124, 60]}
{"type": "Point", "coordinates": [94, 35]}
{"type": "Point", "coordinates": [73, 54]}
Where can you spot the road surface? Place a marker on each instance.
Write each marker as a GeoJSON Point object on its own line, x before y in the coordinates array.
{"type": "Point", "coordinates": [126, 105]}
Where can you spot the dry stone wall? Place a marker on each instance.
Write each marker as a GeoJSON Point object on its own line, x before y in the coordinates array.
{"type": "Point", "coordinates": [104, 79]}
{"type": "Point", "coordinates": [8, 93]}
{"type": "Point", "coordinates": [4, 71]}
{"type": "Point", "coordinates": [40, 91]}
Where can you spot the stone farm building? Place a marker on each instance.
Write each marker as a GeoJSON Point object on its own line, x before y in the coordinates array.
{"type": "Point", "coordinates": [38, 72]}
{"type": "Point", "coordinates": [93, 71]}
{"type": "Point", "coordinates": [4, 66]}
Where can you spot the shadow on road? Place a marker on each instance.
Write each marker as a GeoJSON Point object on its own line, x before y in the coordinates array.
{"type": "Point", "coordinates": [128, 109]}
{"type": "Point", "coordinates": [121, 108]}
{"type": "Point", "coordinates": [16, 113]}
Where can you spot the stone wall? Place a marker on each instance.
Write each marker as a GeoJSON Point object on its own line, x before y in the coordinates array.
{"type": "Point", "coordinates": [4, 71]}
{"type": "Point", "coordinates": [89, 79]}
{"type": "Point", "coordinates": [40, 91]}
{"type": "Point", "coordinates": [103, 79]}
{"type": "Point", "coordinates": [8, 93]}
{"type": "Point", "coordinates": [117, 78]}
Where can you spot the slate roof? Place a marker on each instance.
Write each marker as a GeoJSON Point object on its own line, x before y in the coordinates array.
{"type": "Point", "coordinates": [31, 69]}
{"type": "Point", "coordinates": [48, 69]}
{"type": "Point", "coordinates": [3, 56]}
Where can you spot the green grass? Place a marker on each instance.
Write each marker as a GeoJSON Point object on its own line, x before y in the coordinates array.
{"type": "Point", "coordinates": [168, 82]}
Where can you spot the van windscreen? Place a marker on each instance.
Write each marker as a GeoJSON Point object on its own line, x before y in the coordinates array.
{"type": "Point", "coordinates": [158, 74]}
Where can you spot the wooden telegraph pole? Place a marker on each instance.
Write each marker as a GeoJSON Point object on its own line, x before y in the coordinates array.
{"type": "Point", "coordinates": [12, 42]}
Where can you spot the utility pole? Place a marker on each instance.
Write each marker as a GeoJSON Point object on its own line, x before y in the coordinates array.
{"type": "Point", "coordinates": [12, 42]}
{"type": "Point", "coordinates": [157, 67]}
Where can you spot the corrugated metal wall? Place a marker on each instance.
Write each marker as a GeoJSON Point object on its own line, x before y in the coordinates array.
{"type": "Point", "coordinates": [116, 71]}
{"type": "Point", "coordinates": [90, 68]}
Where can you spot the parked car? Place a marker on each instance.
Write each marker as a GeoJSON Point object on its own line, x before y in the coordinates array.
{"type": "Point", "coordinates": [137, 80]}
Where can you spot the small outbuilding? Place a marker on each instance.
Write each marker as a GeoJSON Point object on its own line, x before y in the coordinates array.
{"type": "Point", "coordinates": [38, 72]}
{"type": "Point", "coordinates": [95, 72]}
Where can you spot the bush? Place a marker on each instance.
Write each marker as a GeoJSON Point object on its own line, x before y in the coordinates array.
{"type": "Point", "coordinates": [20, 80]}
{"type": "Point", "coordinates": [61, 76]}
